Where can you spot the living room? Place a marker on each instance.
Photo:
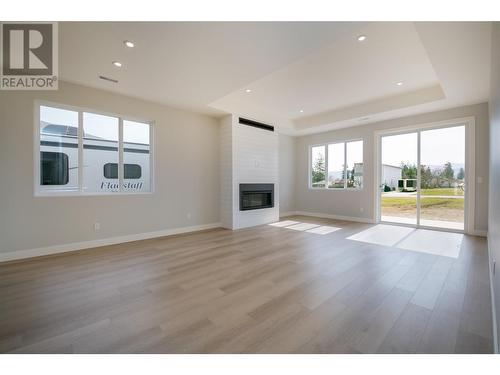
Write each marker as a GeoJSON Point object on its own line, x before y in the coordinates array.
{"type": "Point", "coordinates": [288, 187]}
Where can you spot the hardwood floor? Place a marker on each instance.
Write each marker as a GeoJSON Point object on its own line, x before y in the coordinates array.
{"type": "Point", "coordinates": [260, 290]}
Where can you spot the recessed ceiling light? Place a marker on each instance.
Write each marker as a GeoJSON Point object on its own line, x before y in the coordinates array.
{"type": "Point", "coordinates": [129, 44]}
{"type": "Point", "coordinates": [301, 111]}
{"type": "Point", "coordinates": [361, 38]}
{"type": "Point", "coordinates": [399, 83]}
{"type": "Point", "coordinates": [117, 64]}
{"type": "Point", "coordinates": [248, 90]}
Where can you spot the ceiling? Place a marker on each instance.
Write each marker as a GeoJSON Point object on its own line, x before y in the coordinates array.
{"type": "Point", "coordinates": [304, 77]}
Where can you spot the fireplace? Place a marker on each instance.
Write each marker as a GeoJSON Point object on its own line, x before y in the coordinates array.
{"type": "Point", "coordinates": [256, 196]}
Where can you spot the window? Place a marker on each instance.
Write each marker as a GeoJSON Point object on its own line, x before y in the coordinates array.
{"type": "Point", "coordinates": [318, 167]}
{"type": "Point", "coordinates": [336, 173]}
{"type": "Point", "coordinates": [131, 171]}
{"type": "Point", "coordinates": [84, 152]}
{"type": "Point", "coordinates": [343, 163]}
{"type": "Point", "coordinates": [136, 147]}
{"type": "Point", "coordinates": [100, 145]}
{"type": "Point", "coordinates": [58, 150]}
{"type": "Point", "coordinates": [354, 164]}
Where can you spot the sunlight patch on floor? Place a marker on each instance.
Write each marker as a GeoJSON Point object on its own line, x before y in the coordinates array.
{"type": "Point", "coordinates": [302, 226]}
{"type": "Point", "coordinates": [433, 242]}
{"type": "Point", "coordinates": [305, 227]}
{"type": "Point", "coordinates": [324, 229]}
{"type": "Point", "coordinates": [284, 223]}
{"type": "Point", "coordinates": [387, 235]}
{"type": "Point", "coordinates": [420, 240]}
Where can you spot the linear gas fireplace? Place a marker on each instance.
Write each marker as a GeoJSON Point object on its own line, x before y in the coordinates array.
{"type": "Point", "coordinates": [256, 196]}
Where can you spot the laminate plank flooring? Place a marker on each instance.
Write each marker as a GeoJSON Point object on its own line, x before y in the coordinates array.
{"type": "Point", "coordinates": [267, 289]}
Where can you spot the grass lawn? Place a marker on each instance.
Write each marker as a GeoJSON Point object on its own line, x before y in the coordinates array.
{"type": "Point", "coordinates": [442, 191]}
{"type": "Point", "coordinates": [432, 208]}
{"type": "Point", "coordinates": [433, 205]}
{"type": "Point", "coordinates": [409, 203]}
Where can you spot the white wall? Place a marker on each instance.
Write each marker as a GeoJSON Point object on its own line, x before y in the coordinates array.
{"type": "Point", "coordinates": [360, 204]}
{"type": "Point", "coordinates": [494, 204]}
{"type": "Point", "coordinates": [287, 171]}
{"type": "Point", "coordinates": [252, 155]}
{"type": "Point", "coordinates": [186, 163]}
{"type": "Point", "coordinates": [255, 157]}
{"type": "Point", "coordinates": [226, 171]}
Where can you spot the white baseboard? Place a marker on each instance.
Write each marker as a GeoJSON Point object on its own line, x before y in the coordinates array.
{"type": "Point", "coordinates": [493, 308]}
{"type": "Point", "coordinates": [56, 249]}
{"type": "Point", "coordinates": [335, 217]}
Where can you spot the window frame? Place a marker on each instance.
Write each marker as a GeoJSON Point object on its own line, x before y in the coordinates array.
{"type": "Point", "coordinates": [325, 145]}
{"type": "Point", "coordinates": [38, 192]}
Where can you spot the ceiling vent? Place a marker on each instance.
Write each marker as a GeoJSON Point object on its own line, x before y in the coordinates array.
{"type": "Point", "coordinates": [255, 124]}
{"type": "Point", "coordinates": [108, 79]}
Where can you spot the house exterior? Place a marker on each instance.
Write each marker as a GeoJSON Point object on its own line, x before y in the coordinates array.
{"type": "Point", "coordinates": [391, 175]}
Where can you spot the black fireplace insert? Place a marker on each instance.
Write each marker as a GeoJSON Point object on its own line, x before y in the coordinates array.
{"type": "Point", "coordinates": [256, 196]}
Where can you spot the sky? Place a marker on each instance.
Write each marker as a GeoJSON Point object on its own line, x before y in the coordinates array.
{"type": "Point", "coordinates": [59, 116]}
{"type": "Point", "coordinates": [438, 146]}
{"type": "Point", "coordinates": [98, 125]}
{"type": "Point", "coordinates": [354, 153]}
{"type": "Point", "coordinates": [336, 157]}
{"type": "Point", "coordinates": [101, 126]}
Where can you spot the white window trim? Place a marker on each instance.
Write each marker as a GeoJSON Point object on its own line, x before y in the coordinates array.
{"type": "Point", "coordinates": [345, 188]}
{"type": "Point", "coordinates": [37, 192]}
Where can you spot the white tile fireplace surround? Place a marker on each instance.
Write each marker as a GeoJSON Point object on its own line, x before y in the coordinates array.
{"type": "Point", "coordinates": [249, 155]}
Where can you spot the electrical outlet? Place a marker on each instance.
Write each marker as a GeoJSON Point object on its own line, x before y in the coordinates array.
{"type": "Point", "coordinates": [361, 209]}
{"type": "Point", "coordinates": [97, 226]}
{"type": "Point", "coordinates": [188, 215]}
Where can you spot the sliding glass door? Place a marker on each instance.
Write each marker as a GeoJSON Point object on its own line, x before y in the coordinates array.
{"type": "Point", "coordinates": [442, 177]}
{"type": "Point", "coordinates": [423, 178]}
{"type": "Point", "coordinates": [399, 178]}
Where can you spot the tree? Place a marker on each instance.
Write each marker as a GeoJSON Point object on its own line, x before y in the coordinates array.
{"type": "Point", "coordinates": [437, 176]}
{"type": "Point", "coordinates": [409, 171]}
{"type": "Point", "coordinates": [448, 173]}
{"type": "Point", "coordinates": [350, 178]}
{"type": "Point", "coordinates": [426, 177]}
{"type": "Point", "coordinates": [461, 174]}
{"type": "Point", "coordinates": [318, 171]}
